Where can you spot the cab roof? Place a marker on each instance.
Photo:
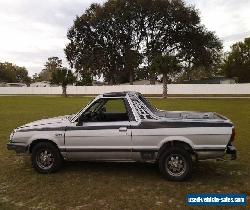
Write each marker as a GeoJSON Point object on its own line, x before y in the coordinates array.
{"type": "Point", "coordinates": [120, 94]}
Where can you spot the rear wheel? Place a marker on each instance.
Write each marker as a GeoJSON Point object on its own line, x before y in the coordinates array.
{"type": "Point", "coordinates": [46, 158]}
{"type": "Point", "coordinates": [175, 164]}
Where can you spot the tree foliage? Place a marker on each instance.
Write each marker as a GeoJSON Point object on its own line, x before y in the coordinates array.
{"type": "Point", "coordinates": [117, 38]}
{"type": "Point", "coordinates": [168, 66]}
{"type": "Point", "coordinates": [84, 80]}
{"type": "Point", "coordinates": [237, 62]}
{"type": "Point", "coordinates": [52, 65]}
{"type": "Point", "coordinates": [11, 73]}
{"type": "Point", "coordinates": [62, 76]}
{"type": "Point", "coordinates": [55, 73]}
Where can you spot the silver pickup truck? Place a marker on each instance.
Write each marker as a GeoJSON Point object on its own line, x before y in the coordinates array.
{"type": "Point", "coordinates": [124, 126]}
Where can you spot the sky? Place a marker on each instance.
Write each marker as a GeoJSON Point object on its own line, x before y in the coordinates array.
{"type": "Point", "coordinates": [33, 30]}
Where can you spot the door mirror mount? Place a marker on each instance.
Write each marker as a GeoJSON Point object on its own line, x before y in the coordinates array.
{"type": "Point", "coordinates": [83, 118]}
{"type": "Point", "coordinates": [79, 123]}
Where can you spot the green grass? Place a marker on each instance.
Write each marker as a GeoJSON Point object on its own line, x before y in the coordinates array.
{"type": "Point", "coordinates": [114, 185]}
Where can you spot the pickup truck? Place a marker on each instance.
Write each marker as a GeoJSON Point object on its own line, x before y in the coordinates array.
{"type": "Point", "coordinates": [124, 126]}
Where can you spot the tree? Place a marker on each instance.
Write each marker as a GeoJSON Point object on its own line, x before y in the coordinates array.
{"type": "Point", "coordinates": [117, 38]}
{"type": "Point", "coordinates": [200, 72]}
{"type": "Point", "coordinates": [128, 32]}
{"type": "Point", "coordinates": [201, 54]}
{"type": "Point", "coordinates": [84, 80]}
{"type": "Point", "coordinates": [237, 62]}
{"type": "Point", "coordinates": [180, 33]}
{"type": "Point", "coordinates": [12, 73]}
{"type": "Point", "coordinates": [51, 65]}
{"type": "Point", "coordinates": [93, 48]}
{"type": "Point", "coordinates": [63, 77]}
{"type": "Point", "coordinates": [168, 66]}
{"type": "Point", "coordinates": [36, 78]}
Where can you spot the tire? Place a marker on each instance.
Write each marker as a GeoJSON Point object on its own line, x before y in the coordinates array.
{"type": "Point", "coordinates": [175, 164]}
{"type": "Point", "coordinates": [46, 158]}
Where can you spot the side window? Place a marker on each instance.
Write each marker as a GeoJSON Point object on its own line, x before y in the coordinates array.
{"type": "Point", "coordinates": [106, 110]}
{"type": "Point", "coordinates": [115, 106]}
{"type": "Point", "coordinates": [95, 106]}
{"type": "Point", "coordinates": [113, 110]}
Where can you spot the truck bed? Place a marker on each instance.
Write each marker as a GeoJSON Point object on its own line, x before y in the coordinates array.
{"type": "Point", "coordinates": [189, 115]}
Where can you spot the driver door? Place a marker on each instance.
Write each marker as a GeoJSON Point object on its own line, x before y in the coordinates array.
{"type": "Point", "coordinates": [105, 133]}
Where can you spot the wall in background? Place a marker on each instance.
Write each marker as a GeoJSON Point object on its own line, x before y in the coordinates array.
{"type": "Point", "coordinates": [174, 89]}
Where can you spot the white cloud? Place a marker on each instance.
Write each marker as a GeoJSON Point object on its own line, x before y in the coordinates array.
{"type": "Point", "coordinates": [33, 30]}
{"type": "Point", "coordinates": [228, 18]}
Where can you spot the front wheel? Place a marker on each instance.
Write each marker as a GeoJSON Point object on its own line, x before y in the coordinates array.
{"type": "Point", "coordinates": [175, 164]}
{"type": "Point", "coordinates": [46, 158]}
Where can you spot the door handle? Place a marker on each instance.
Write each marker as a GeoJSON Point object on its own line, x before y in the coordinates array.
{"type": "Point", "coordinates": [123, 129]}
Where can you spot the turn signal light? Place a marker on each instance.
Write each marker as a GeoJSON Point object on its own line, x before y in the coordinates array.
{"type": "Point", "coordinates": [233, 135]}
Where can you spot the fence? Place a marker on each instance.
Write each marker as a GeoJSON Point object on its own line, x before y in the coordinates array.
{"type": "Point", "coordinates": [173, 89]}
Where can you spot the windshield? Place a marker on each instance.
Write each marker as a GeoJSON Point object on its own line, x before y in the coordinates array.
{"type": "Point", "coordinates": [147, 103]}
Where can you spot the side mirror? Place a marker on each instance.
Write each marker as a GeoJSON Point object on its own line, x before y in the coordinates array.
{"type": "Point", "coordinates": [79, 122]}
{"type": "Point", "coordinates": [82, 118]}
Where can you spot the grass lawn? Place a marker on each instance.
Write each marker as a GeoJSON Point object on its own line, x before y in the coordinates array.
{"type": "Point", "coordinates": [115, 185]}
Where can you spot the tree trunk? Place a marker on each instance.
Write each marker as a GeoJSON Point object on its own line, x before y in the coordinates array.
{"type": "Point", "coordinates": [64, 90]}
{"type": "Point", "coordinates": [131, 76]}
{"type": "Point", "coordinates": [152, 78]}
{"type": "Point", "coordinates": [111, 82]}
{"type": "Point", "coordinates": [165, 85]}
{"type": "Point", "coordinates": [111, 79]}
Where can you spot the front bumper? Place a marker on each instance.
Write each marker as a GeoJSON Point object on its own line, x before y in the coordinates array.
{"type": "Point", "coordinates": [18, 147]}
{"type": "Point", "coordinates": [232, 151]}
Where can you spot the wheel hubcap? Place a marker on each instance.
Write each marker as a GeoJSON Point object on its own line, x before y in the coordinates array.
{"type": "Point", "coordinates": [45, 159]}
{"type": "Point", "coordinates": [175, 165]}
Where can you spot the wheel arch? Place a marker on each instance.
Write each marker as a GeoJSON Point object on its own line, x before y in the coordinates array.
{"type": "Point", "coordinates": [175, 143]}
{"type": "Point", "coordinates": [36, 141]}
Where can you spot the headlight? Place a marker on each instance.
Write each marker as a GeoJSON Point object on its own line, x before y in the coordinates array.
{"type": "Point", "coordinates": [11, 136]}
